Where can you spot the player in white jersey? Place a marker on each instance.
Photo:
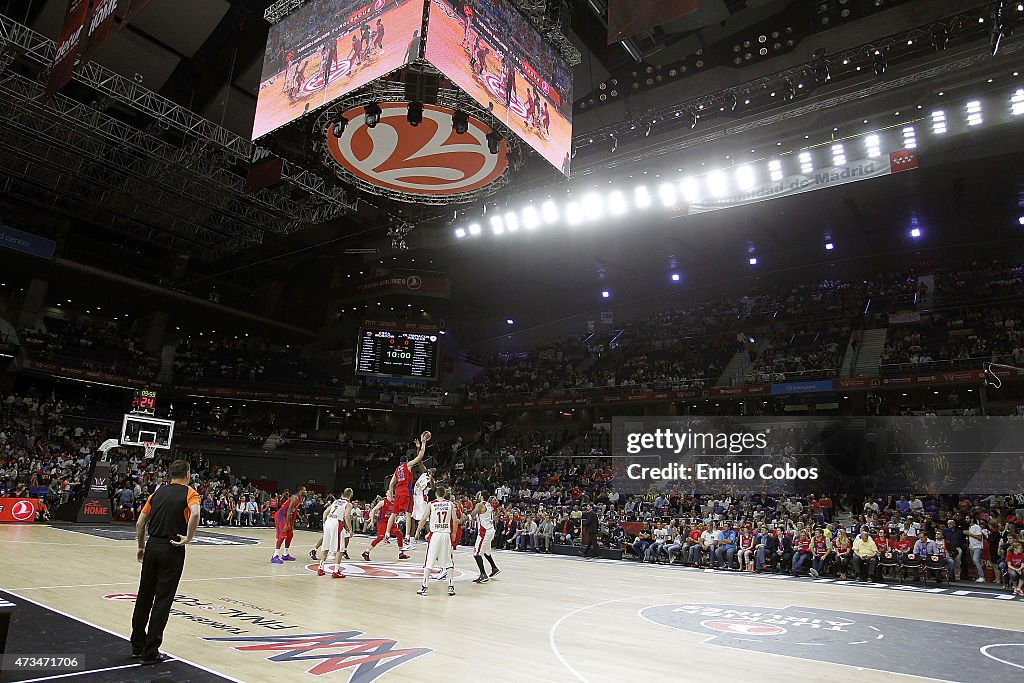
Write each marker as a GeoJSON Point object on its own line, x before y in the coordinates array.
{"type": "Point", "coordinates": [419, 501]}
{"type": "Point", "coordinates": [337, 532]}
{"type": "Point", "coordinates": [484, 513]}
{"type": "Point", "coordinates": [444, 517]}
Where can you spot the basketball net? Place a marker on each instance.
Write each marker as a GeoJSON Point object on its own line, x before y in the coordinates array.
{"type": "Point", "coordinates": [150, 447]}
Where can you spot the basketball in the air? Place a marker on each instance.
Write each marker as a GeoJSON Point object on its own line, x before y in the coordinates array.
{"type": "Point", "coordinates": [426, 436]}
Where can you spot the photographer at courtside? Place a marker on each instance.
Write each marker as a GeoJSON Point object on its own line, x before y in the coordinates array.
{"type": "Point", "coordinates": [172, 515]}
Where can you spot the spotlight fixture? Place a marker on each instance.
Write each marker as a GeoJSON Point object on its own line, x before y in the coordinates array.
{"type": "Point", "coordinates": [879, 65]}
{"type": "Point", "coordinates": [493, 141]}
{"type": "Point", "coordinates": [415, 114]}
{"type": "Point", "coordinates": [372, 112]}
{"type": "Point", "coordinates": [460, 122]}
{"type": "Point", "coordinates": [338, 129]}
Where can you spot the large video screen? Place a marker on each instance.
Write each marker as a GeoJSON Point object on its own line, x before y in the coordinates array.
{"type": "Point", "coordinates": [383, 353]}
{"type": "Point", "coordinates": [491, 51]}
{"type": "Point", "coordinates": [327, 48]}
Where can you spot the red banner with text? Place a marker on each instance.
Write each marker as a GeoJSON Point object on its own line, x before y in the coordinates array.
{"type": "Point", "coordinates": [101, 25]}
{"type": "Point", "coordinates": [67, 46]}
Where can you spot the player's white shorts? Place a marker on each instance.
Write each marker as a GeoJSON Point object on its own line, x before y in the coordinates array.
{"type": "Point", "coordinates": [334, 536]}
{"type": "Point", "coordinates": [439, 550]}
{"type": "Point", "coordinates": [419, 507]}
{"type": "Point", "coordinates": [483, 542]}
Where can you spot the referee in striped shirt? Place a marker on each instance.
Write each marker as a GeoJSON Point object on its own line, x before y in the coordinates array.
{"type": "Point", "coordinates": [172, 515]}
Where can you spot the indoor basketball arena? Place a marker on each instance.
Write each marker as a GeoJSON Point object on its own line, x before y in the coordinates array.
{"type": "Point", "coordinates": [511, 340]}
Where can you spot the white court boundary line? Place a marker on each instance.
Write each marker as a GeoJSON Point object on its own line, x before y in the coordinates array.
{"type": "Point", "coordinates": [118, 635]}
{"type": "Point", "coordinates": [80, 673]}
{"type": "Point", "coordinates": [984, 651]}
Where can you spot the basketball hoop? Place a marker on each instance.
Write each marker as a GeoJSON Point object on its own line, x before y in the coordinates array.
{"type": "Point", "coordinates": [150, 447]}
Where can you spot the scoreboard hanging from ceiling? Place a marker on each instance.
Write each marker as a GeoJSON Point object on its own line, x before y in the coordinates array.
{"type": "Point", "coordinates": [390, 353]}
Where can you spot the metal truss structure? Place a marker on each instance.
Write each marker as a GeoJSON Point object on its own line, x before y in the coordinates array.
{"type": "Point", "coordinates": [282, 8]}
{"type": "Point", "coordinates": [175, 183]}
{"type": "Point", "coordinates": [854, 62]}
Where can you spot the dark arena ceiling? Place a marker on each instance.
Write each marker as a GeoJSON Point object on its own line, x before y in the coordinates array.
{"type": "Point", "coordinates": [696, 90]}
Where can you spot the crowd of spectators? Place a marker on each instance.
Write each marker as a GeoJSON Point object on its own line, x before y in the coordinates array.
{"type": "Point", "coordinates": [82, 342]}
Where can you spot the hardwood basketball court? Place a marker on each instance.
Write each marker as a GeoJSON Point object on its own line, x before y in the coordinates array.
{"type": "Point", "coordinates": [544, 618]}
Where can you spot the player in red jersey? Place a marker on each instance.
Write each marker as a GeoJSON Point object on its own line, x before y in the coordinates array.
{"type": "Point", "coordinates": [400, 488]}
{"type": "Point", "coordinates": [383, 510]}
{"type": "Point", "coordinates": [285, 526]}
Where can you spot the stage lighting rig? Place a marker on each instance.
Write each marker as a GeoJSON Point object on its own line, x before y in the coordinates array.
{"type": "Point", "coordinates": [415, 115]}
{"type": "Point", "coordinates": [373, 113]}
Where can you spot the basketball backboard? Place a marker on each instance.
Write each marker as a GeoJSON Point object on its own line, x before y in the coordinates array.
{"type": "Point", "coordinates": [138, 430]}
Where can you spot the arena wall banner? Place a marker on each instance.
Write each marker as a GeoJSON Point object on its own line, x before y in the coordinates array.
{"type": "Point", "coordinates": [67, 46]}
{"type": "Point", "coordinates": [17, 510]}
{"type": "Point", "coordinates": [832, 176]}
{"type": "Point", "coordinates": [418, 284]}
{"type": "Point", "coordinates": [27, 242]}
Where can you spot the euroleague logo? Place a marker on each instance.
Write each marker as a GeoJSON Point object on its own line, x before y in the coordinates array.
{"type": "Point", "coordinates": [388, 571]}
{"type": "Point", "coordinates": [748, 628]}
{"type": "Point", "coordinates": [23, 510]}
{"type": "Point", "coordinates": [428, 159]}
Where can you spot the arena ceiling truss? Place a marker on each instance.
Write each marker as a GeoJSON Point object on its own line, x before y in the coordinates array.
{"type": "Point", "coordinates": [178, 181]}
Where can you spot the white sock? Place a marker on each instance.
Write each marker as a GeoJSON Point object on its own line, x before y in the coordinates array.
{"type": "Point", "coordinates": [426, 575]}
{"type": "Point", "coordinates": [277, 552]}
{"type": "Point", "coordinates": [287, 550]}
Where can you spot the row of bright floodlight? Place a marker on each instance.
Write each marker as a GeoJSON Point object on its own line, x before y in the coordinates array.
{"type": "Point", "coordinates": [709, 186]}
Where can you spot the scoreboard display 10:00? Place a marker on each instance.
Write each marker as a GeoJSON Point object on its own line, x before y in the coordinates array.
{"type": "Point", "coordinates": [397, 354]}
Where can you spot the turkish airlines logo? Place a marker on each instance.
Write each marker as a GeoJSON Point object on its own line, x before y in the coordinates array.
{"type": "Point", "coordinates": [749, 628]}
{"type": "Point", "coordinates": [428, 159]}
{"type": "Point", "coordinates": [23, 510]}
{"type": "Point", "coordinates": [414, 282]}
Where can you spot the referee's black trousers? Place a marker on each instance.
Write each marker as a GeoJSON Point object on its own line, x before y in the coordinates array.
{"type": "Point", "coordinates": [161, 570]}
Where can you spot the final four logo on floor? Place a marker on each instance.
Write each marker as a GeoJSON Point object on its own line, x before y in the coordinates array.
{"type": "Point", "coordinates": [368, 658]}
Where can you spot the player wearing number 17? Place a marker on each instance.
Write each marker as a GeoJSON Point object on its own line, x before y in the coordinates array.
{"type": "Point", "coordinates": [400, 488]}
{"type": "Point", "coordinates": [444, 518]}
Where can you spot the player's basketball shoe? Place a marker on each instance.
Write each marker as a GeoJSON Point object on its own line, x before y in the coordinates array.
{"type": "Point", "coordinates": [495, 572]}
{"type": "Point", "coordinates": [422, 590]}
{"type": "Point", "coordinates": [366, 555]}
{"type": "Point", "coordinates": [288, 558]}
{"type": "Point", "coordinates": [337, 575]}
{"type": "Point", "coordinates": [320, 571]}
{"type": "Point", "coordinates": [344, 555]}
{"type": "Point", "coordinates": [312, 554]}
{"type": "Point", "coordinates": [403, 556]}
{"type": "Point", "coordinates": [451, 590]}
{"type": "Point", "coordinates": [443, 575]}
{"type": "Point", "coordinates": [276, 560]}
{"type": "Point", "coordinates": [481, 579]}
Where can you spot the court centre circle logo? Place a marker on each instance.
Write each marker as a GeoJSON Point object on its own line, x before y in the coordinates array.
{"type": "Point", "coordinates": [23, 510]}
{"type": "Point", "coordinates": [742, 626]}
{"type": "Point", "coordinates": [425, 160]}
{"type": "Point", "coordinates": [389, 571]}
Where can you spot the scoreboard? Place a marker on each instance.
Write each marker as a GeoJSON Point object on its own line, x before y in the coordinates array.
{"type": "Point", "coordinates": [144, 402]}
{"type": "Point", "coordinates": [386, 353]}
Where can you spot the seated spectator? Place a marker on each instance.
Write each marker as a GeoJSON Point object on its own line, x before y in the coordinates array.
{"type": "Point", "coordinates": [865, 554]}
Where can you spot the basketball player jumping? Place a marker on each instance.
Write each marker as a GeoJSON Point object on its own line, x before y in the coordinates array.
{"type": "Point", "coordinates": [337, 532]}
{"type": "Point", "coordinates": [484, 513]}
{"type": "Point", "coordinates": [285, 526]}
{"type": "Point", "coordinates": [419, 501]}
{"type": "Point", "coordinates": [444, 517]}
{"type": "Point", "coordinates": [383, 510]}
{"type": "Point", "coordinates": [400, 488]}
